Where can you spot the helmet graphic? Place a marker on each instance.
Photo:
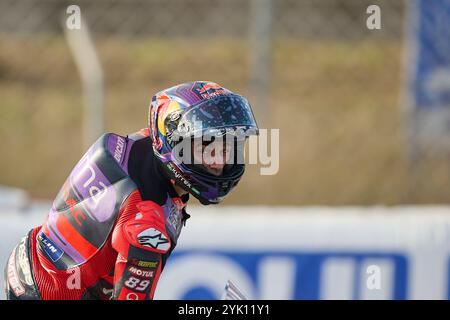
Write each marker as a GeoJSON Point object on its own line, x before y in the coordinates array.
{"type": "Point", "coordinates": [201, 111]}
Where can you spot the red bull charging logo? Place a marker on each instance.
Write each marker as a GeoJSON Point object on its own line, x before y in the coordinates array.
{"type": "Point", "coordinates": [211, 90]}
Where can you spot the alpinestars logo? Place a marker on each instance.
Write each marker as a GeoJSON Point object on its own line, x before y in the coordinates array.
{"type": "Point", "coordinates": [154, 238]}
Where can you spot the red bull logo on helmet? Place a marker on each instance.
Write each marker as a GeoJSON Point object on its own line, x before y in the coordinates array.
{"type": "Point", "coordinates": [211, 90]}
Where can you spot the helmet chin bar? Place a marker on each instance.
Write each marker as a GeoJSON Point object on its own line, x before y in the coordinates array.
{"type": "Point", "coordinates": [200, 186]}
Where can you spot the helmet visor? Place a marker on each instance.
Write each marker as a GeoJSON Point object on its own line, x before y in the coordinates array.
{"type": "Point", "coordinates": [218, 116]}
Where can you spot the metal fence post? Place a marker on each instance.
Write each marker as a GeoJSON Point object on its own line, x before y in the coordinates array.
{"type": "Point", "coordinates": [88, 64]}
{"type": "Point", "coordinates": [261, 53]}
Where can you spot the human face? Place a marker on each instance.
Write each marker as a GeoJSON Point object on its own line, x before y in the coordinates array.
{"type": "Point", "coordinates": [212, 155]}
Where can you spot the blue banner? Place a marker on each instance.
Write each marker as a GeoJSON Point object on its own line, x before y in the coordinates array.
{"type": "Point", "coordinates": [429, 29]}
{"type": "Point", "coordinates": [288, 275]}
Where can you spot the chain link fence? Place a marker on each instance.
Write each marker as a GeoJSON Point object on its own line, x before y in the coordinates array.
{"type": "Point", "coordinates": [331, 86]}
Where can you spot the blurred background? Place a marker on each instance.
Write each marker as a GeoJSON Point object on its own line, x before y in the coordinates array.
{"type": "Point", "coordinates": [362, 115]}
{"type": "Point", "coordinates": [332, 88]}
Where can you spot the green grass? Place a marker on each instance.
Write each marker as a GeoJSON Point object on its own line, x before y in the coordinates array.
{"type": "Point", "coordinates": [336, 104]}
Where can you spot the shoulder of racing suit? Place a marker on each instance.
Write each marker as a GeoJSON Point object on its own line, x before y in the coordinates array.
{"type": "Point", "coordinates": [157, 193]}
{"type": "Point", "coordinates": [86, 208]}
{"type": "Point", "coordinates": [98, 189]}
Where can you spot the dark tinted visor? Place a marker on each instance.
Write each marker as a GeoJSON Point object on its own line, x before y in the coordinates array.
{"type": "Point", "coordinates": [218, 116]}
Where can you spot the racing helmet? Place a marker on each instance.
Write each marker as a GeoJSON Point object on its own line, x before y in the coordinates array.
{"type": "Point", "coordinates": [200, 111]}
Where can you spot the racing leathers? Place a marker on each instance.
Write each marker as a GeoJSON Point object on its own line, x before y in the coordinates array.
{"type": "Point", "coordinates": [109, 232]}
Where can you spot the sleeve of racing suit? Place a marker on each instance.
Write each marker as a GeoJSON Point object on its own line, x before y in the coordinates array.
{"type": "Point", "coordinates": [141, 239]}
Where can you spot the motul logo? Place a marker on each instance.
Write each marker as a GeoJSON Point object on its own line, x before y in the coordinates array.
{"type": "Point", "coordinates": [141, 273]}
